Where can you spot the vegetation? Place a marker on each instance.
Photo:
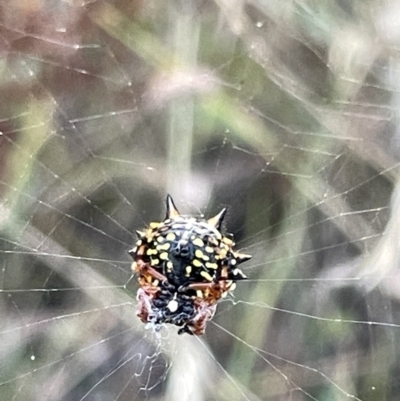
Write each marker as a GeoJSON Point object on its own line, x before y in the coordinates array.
{"type": "Point", "coordinates": [284, 112]}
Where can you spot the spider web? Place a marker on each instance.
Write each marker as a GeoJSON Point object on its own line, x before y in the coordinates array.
{"type": "Point", "coordinates": [284, 113]}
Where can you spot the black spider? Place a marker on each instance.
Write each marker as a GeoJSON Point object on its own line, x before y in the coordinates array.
{"type": "Point", "coordinates": [185, 266]}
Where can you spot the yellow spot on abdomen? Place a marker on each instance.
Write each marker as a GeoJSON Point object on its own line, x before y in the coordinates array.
{"type": "Point", "coordinates": [211, 265]}
{"type": "Point", "coordinates": [197, 263]}
{"type": "Point", "coordinates": [206, 275]}
{"type": "Point", "coordinates": [164, 247]}
{"type": "Point", "coordinates": [199, 254]}
{"type": "Point", "coordinates": [171, 237]}
{"type": "Point", "coordinates": [198, 242]}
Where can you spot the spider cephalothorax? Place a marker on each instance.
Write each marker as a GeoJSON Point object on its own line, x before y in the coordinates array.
{"type": "Point", "coordinates": [185, 266]}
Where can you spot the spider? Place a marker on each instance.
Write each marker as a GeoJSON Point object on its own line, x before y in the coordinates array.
{"type": "Point", "coordinates": [184, 266]}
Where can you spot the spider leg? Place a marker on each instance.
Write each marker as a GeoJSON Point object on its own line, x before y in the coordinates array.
{"type": "Point", "coordinates": [204, 286]}
{"type": "Point", "coordinates": [185, 329]}
{"type": "Point", "coordinates": [196, 286]}
{"type": "Point", "coordinates": [143, 268]}
{"type": "Point", "coordinates": [149, 289]}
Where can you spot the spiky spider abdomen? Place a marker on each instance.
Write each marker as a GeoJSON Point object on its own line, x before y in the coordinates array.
{"type": "Point", "coordinates": [185, 266]}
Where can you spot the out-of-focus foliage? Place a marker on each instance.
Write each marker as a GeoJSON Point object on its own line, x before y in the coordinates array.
{"type": "Point", "coordinates": [286, 112]}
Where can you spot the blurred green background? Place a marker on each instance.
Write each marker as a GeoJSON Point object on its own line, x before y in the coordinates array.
{"type": "Point", "coordinates": [286, 112]}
